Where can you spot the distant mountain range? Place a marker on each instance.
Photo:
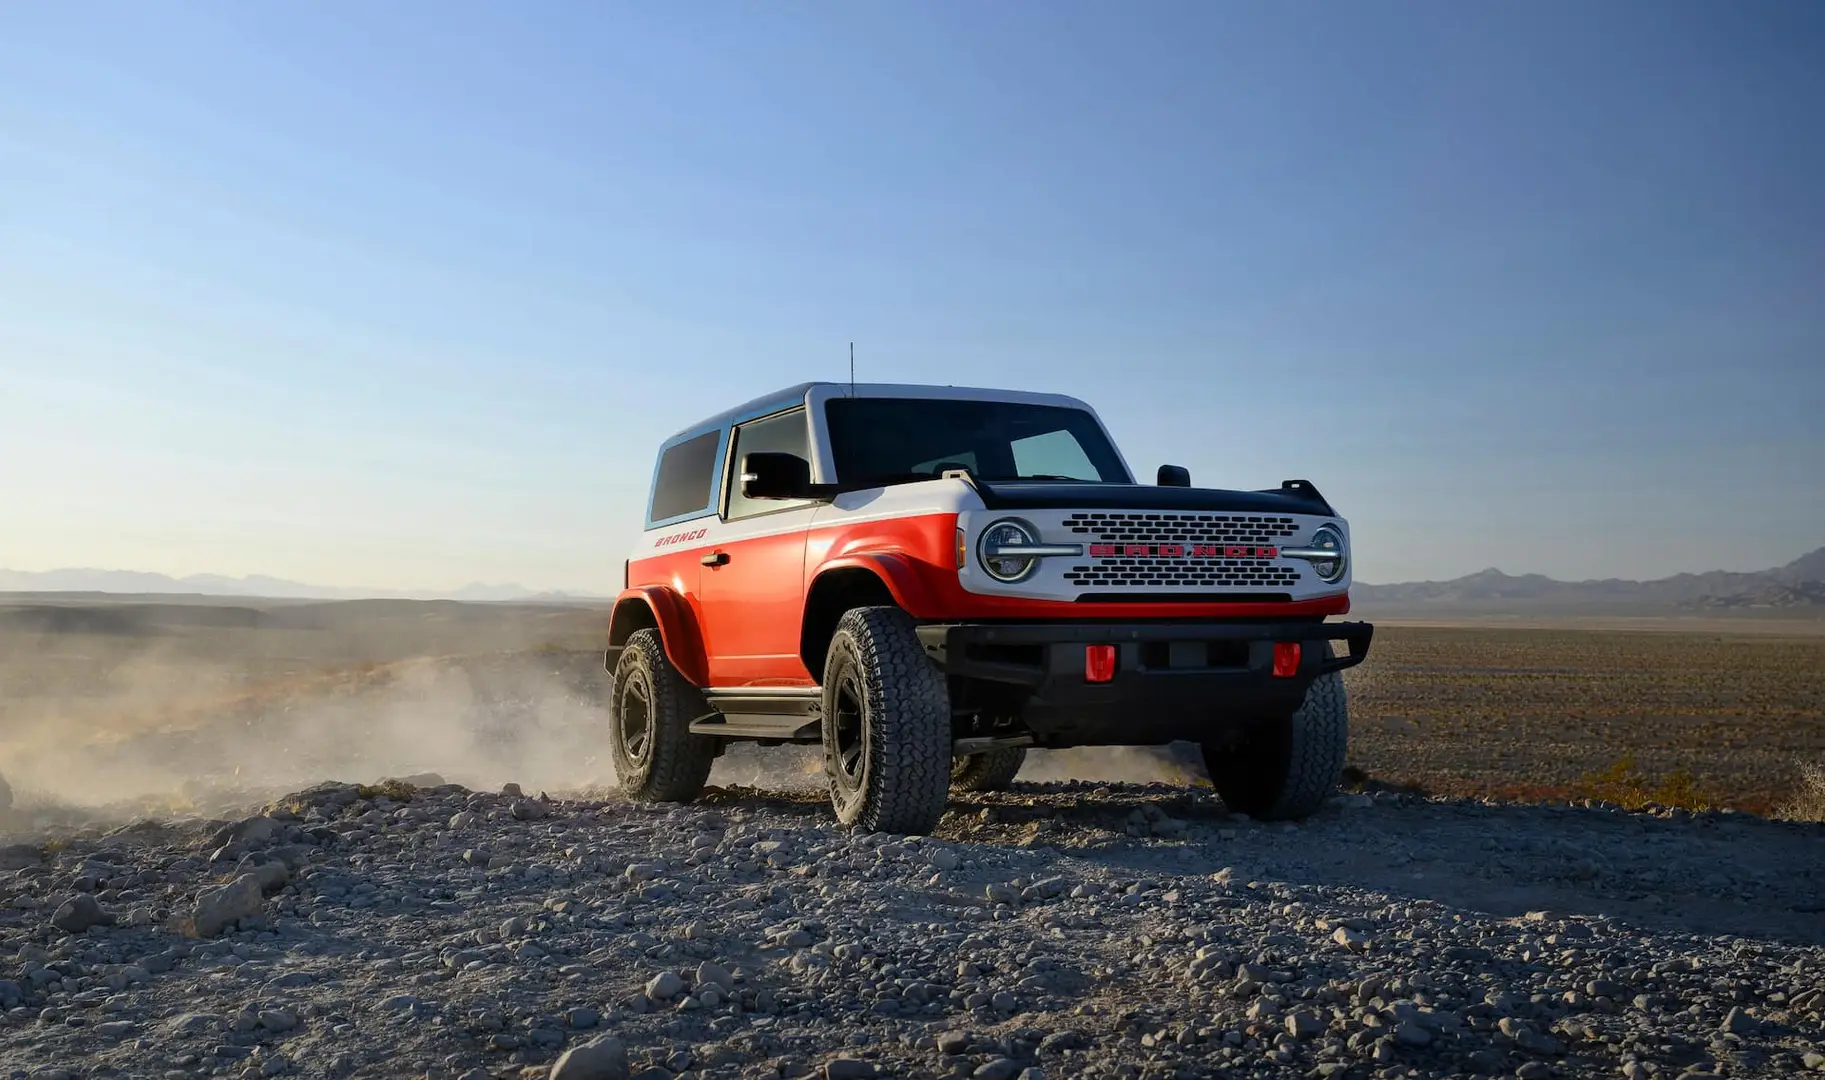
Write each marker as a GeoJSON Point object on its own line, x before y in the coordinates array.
{"type": "Point", "coordinates": [1797, 588]}
{"type": "Point", "coordinates": [136, 582]}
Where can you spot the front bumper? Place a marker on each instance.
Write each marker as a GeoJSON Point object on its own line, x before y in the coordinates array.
{"type": "Point", "coordinates": [1173, 680]}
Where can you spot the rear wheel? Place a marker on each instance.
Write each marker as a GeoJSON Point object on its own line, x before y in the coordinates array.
{"type": "Point", "coordinates": [1286, 768]}
{"type": "Point", "coordinates": [887, 725]}
{"type": "Point", "coordinates": [656, 757]}
{"type": "Point", "coordinates": [991, 770]}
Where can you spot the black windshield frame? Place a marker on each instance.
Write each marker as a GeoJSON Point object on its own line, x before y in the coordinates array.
{"type": "Point", "coordinates": [880, 441]}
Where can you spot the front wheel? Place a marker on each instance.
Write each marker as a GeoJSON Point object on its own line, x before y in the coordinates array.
{"type": "Point", "coordinates": [656, 757]}
{"type": "Point", "coordinates": [1286, 768]}
{"type": "Point", "coordinates": [887, 725]}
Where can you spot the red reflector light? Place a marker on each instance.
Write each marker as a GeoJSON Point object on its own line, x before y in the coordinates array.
{"type": "Point", "coordinates": [1286, 659]}
{"type": "Point", "coordinates": [1099, 663]}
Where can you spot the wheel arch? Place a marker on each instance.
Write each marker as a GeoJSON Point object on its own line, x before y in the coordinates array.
{"type": "Point", "coordinates": [852, 582]}
{"type": "Point", "coordinates": [655, 607]}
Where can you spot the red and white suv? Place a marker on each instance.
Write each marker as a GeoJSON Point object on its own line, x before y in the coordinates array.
{"type": "Point", "coordinates": [927, 580]}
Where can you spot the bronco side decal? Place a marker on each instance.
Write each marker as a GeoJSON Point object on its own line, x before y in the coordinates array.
{"type": "Point", "coordinates": [680, 538]}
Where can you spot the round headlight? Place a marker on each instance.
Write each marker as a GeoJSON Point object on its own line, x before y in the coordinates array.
{"type": "Point", "coordinates": [1008, 532]}
{"type": "Point", "coordinates": [1329, 538]}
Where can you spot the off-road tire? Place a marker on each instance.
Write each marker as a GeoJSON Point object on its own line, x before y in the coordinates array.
{"type": "Point", "coordinates": [663, 762]}
{"type": "Point", "coordinates": [991, 770]}
{"type": "Point", "coordinates": [1286, 768]}
{"type": "Point", "coordinates": [886, 725]}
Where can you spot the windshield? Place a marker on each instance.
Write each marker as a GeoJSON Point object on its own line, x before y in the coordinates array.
{"type": "Point", "coordinates": [900, 440]}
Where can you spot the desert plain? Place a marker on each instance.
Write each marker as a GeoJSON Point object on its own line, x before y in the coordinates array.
{"type": "Point", "coordinates": [380, 838]}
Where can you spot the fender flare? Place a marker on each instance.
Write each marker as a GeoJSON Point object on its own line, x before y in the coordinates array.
{"type": "Point", "coordinates": [663, 609]}
{"type": "Point", "coordinates": [895, 570]}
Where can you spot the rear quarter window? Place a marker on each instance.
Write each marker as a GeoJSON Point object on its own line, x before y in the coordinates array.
{"type": "Point", "coordinates": [685, 482]}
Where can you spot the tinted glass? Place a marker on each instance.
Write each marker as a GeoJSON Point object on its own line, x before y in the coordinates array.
{"type": "Point", "coordinates": [782, 434]}
{"type": "Point", "coordinates": [897, 440]}
{"type": "Point", "coordinates": [687, 477]}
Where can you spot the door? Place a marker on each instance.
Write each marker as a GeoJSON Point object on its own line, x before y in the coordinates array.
{"type": "Point", "coordinates": [752, 585]}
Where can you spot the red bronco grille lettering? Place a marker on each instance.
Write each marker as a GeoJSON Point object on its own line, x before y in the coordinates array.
{"type": "Point", "coordinates": [679, 538]}
{"type": "Point", "coordinates": [1181, 551]}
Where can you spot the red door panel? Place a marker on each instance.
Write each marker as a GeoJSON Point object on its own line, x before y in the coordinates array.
{"type": "Point", "coordinates": [753, 606]}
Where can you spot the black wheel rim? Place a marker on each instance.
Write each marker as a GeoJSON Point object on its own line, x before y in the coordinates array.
{"type": "Point", "coordinates": [849, 733]}
{"type": "Point", "coordinates": [636, 719]}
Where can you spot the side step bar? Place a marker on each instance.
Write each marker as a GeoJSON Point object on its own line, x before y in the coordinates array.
{"type": "Point", "coordinates": [768, 716]}
{"type": "Point", "coordinates": [982, 744]}
{"type": "Point", "coordinates": [765, 728]}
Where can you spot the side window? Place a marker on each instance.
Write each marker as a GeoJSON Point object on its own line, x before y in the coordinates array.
{"type": "Point", "coordinates": [1056, 453]}
{"type": "Point", "coordinates": [784, 433]}
{"type": "Point", "coordinates": [686, 481]}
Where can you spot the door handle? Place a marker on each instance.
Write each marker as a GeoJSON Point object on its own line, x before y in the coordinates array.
{"type": "Point", "coordinates": [715, 558]}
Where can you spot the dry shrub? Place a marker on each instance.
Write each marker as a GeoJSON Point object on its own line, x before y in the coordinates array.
{"type": "Point", "coordinates": [1357, 780]}
{"type": "Point", "coordinates": [391, 788]}
{"type": "Point", "coordinates": [1808, 800]}
{"type": "Point", "coordinates": [1624, 784]}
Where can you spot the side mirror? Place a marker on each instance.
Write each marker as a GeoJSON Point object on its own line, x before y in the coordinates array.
{"type": "Point", "coordinates": [767, 475]}
{"type": "Point", "coordinates": [1174, 476]}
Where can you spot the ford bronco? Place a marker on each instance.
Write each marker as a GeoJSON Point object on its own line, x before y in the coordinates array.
{"type": "Point", "coordinates": [927, 580]}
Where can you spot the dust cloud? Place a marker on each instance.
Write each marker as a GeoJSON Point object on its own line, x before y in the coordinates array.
{"type": "Point", "coordinates": [155, 742]}
{"type": "Point", "coordinates": [157, 734]}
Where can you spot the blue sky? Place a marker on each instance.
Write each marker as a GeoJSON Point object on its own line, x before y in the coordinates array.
{"type": "Point", "coordinates": [404, 295]}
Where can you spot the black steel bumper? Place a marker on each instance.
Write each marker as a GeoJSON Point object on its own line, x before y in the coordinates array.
{"type": "Point", "coordinates": [1173, 680]}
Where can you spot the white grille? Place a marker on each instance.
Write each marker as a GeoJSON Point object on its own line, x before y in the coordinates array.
{"type": "Point", "coordinates": [1181, 528]}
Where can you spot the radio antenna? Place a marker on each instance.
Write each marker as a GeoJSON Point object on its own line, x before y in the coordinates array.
{"type": "Point", "coordinates": [852, 369]}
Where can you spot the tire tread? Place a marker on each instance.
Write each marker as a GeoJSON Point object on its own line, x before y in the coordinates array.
{"type": "Point", "coordinates": [681, 761]}
{"type": "Point", "coordinates": [908, 783]}
{"type": "Point", "coordinates": [991, 770]}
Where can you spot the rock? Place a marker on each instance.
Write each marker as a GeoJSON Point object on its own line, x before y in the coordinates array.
{"type": "Point", "coordinates": [528, 810]}
{"type": "Point", "coordinates": [997, 1069]}
{"type": "Point", "coordinates": [248, 832]}
{"type": "Point", "coordinates": [20, 857]}
{"type": "Point", "coordinates": [1738, 1022]}
{"type": "Point", "coordinates": [220, 908]}
{"type": "Point", "coordinates": [278, 1021]}
{"type": "Point", "coordinates": [713, 974]}
{"type": "Point", "coordinates": [953, 1042]}
{"type": "Point", "coordinates": [665, 986]}
{"type": "Point", "coordinates": [1410, 1033]}
{"type": "Point", "coordinates": [272, 874]}
{"type": "Point", "coordinates": [847, 1069]}
{"type": "Point", "coordinates": [1813, 1060]}
{"type": "Point", "coordinates": [1534, 1070]}
{"type": "Point", "coordinates": [1353, 940]}
{"type": "Point", "coordinates": [601, 1058]}
{"type": "Point", "coordinates": [80, 912]}
{"type": "Point", "coordinates": [943, 859]}
{"type": "Point", "coordinates": [1304, 1024]}
{"type": "Point", "coordinates": [196, 1024]}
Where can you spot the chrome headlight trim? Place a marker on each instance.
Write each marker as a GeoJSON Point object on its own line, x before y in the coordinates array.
{"type": "Point", "coordinates": [1327, 552]}
{"type": "Point", "coordinates": [1005, 550]}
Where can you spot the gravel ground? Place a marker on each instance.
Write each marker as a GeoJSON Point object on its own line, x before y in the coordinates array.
{"type": "Point", "coordinates": [1059, 930]}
